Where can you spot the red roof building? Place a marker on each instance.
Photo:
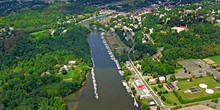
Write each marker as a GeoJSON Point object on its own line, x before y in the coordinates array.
{"type": "Point", "coordinates": [183, 27]}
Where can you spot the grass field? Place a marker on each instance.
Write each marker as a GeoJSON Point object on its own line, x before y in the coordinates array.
{"type": "Point", "coordinates": [171, 99]}
{"type": "Point", "coordinates": [216, 59]}
{"type": "Point", "coordinates": [37, 33]}
{"type": "Point", "coordinates": [209, 81]}
{"type": "Point", "coordinates": [144, 104]}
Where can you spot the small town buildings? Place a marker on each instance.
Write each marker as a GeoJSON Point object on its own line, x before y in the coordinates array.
{"type": "Point", "coordinates": [141, 90]}
{"type": "Point", "coordinates": [162, 79]}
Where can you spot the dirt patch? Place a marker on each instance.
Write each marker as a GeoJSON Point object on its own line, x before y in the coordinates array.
{"type": "Point", "coordinates": [113, 44]}
{"type": "Point", "coordinates": [209, 61]}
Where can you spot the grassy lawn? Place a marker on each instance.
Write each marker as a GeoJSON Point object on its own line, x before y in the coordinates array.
{"type": "Point", "coordinates": [36, 33]}
{"type": "Point", "coordinates": [71, 96]}
{"type": "Point", "coordinates": [50, 88]}
{"type": "Point", "coordinates": [216, 59]}
{"type": "Point", "coordinates": [184, 85]}
{"type": "Point", "coordinates": [144, 104]}
{"type": "Point", "coordinates": [70, 73]}
{"type": "Point", "coordinates": [171, 99]}
{"type": "Point", "coordinates": [159, 89]}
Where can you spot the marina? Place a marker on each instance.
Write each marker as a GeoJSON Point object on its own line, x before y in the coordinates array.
{"type": "Point", "coordinates": [111, 53]}
{"type": "Point", "coordinates": [124, 83]}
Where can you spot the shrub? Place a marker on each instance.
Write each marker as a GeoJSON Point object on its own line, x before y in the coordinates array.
{"type": "Point", "coordinates": [155, 89]}
{"type": "Point", "coordinates": [163, 98]}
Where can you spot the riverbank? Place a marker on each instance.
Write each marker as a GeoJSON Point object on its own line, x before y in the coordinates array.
{"type": "Point", "coordinates": [72, 100]}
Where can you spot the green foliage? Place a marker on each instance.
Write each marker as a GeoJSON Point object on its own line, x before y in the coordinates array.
{"type": "Point", "coordinates": [35, 51]}
{"type": "Point", "coordinates": [163, 98]}
{"type": "Point", "coordinates": [172, 77]}
{"type": "Point", "coordinates": [150, 66]}
{"type": "Point", "coordinates": [120, 33]}
{"type": "Point", "coordinates": [20, 100]}
{"type": "Point", "coordinates": [91, 22]}
{"type": "Point", "coordinates": [144, 105]}
{"type": "Point", "coordinates": [215, 100]}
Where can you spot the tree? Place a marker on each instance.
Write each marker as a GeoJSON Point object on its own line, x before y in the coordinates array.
{"type": "Point", "coordinates": [91, 22]}
{"type": "Point", "coordinates": [190, 79]}
{"type": "Point", "coordinates": [173, 77]}
{"type": "Point", "coordinates": [155, 74]}
{"type": "Point", "coordinates": [163, 98]}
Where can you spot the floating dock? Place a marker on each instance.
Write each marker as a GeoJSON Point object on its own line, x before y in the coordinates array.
{"type": "Point", "coordinates": [111, 54]}
{"type": "Point", "coordinates": [94, 81]}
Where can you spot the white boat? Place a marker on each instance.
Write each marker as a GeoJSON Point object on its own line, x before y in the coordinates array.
{"type": "Point", "coordinates": [102, 32]}
{"type": "Point", "coordinates": [93, 77]}
{"type": "Point", "coordinates": [135, 104]}
{"type": "Point", "coordinates": [95, 85]}
{"type": "Point", "coordinates": [96, 97]}
{"type": "Point", "coordinates": [94, 81]}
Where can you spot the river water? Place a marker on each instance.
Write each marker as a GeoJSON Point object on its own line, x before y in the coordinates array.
{"type": "Point", "coordinates": [112, 94]}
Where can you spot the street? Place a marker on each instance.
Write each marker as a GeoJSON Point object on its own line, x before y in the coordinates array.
{"type": "Point", "coordinates": [154, 96]}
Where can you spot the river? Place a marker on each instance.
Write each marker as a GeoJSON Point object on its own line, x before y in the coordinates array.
{"type": "Point", "coordinates": [112, 94]}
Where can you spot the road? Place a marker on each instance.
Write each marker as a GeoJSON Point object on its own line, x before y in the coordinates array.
{"type": "Point", "coordinates": [147, 35]}
{"type": "Point", "coordinates": [154, 96]}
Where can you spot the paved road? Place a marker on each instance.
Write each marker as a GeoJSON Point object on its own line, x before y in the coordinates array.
{"type": "Point", "coordinates": [154, 96]}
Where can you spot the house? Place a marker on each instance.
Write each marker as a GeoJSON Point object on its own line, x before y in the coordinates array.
{"type": "Point", "coordinates": [11, 28]}
{"type": "Point", "coordinates": [64, 31]}
{"type": "Point", "coordinates": [152, 81]}
{"type": "Point", "coordinates": [52, 32]}
{"type": "Point", "coordinates": [45, 73]}
{"type": "Point", "coordinates": [72, 62]}
{"type": "Point", "coordinates": [179, 29]}
{"type": "Point", "coordinates": [151, 103]}
{"type": "Point", "coordinates": [65, 67]}
{"type": "Point", "coordinates": [138, 66]}
{"type": "Point", "coordinates": [188, 11]}
{"type": "Point", "coordinates": [144, 94]}
{"type": "Point", "coordinates": [144, 41]}
{"type": "Point", "coordinates": [162, 79]}
{"type": "Point", "coordinates": [2, 30]}
{"type": "Point", "coordinates": [151, 30]}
